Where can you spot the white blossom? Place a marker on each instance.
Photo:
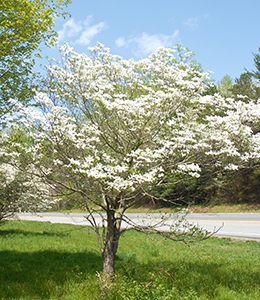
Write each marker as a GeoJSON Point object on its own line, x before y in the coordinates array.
{"type": "Point", "coordinates": [118, 125]}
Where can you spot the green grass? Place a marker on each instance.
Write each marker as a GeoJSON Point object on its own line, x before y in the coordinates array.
{"type": "Point", "coordinates": [57, 261]}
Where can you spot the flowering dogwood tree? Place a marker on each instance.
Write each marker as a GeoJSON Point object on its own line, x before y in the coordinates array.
{"type": "Point", "coordinates": [21, 189]}
{"type": "Point", "coordinates": [111, 130]}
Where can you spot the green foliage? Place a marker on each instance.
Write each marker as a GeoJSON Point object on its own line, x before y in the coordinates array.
{"type": "Point", "coordinates": [24, 24]}
{"type": "Point", "coordinates": [177, 191]}
{"type": "Point", "coordinates": [256, 72]}
{"type": "Point", "coordinates": [237, 187]}
{"type": "Point", "coordinates": [245, 86]}
{"type": "Point", "coordinates": [248, 82]}
{"type": "Point", "coordinates": [49, 261]}
{"type": "Point", "coordinates": [10, 193]}
{"type": "Point", "coordinates": [225, 86]}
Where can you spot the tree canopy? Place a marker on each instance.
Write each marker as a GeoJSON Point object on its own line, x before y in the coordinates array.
{"type": "Point", "coordinates": [24, 25]}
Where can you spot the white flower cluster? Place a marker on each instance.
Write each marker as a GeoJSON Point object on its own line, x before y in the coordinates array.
{"type": "Point", "coordinates": [192, 169]}
{"type": "Point", "coordinates": [121, 124]}
{"type": "Point", "coordinates": [9, 172]}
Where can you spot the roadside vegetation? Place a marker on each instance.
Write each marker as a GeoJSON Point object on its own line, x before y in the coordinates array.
{"type": "Point", "coordinates": [57, 261]}
{"type": "Point", "coordinates": [203, 208]}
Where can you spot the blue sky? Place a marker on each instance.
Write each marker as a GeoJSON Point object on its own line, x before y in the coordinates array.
{"type": "Point", "coordinates": [222, 33]}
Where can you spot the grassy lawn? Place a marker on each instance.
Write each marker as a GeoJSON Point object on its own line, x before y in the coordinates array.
{"type": "Point", "coordinates": [57, 261]}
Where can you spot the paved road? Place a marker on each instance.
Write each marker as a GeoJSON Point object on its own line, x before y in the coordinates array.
{"type": "Point", "coordinates": [242, 225]}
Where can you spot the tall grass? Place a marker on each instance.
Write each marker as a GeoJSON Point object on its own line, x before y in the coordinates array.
{"type": "Point", "coordinates": [57, 261]}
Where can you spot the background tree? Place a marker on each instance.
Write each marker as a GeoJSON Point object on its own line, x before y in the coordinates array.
{"type": "Point", "coordinates": [24, 25]}
{"type": "Point", "coordinates": [21, 190]}
{"type": "Point", "coordinates": [225, 85]}
{"type": "Point", "coordinates": [247, 87]}
{"type": "Point", "coordinates": [117, 129]}
{"type": "Point", "coordinates": [248, 83]}
{"type": "Point", "coordinates": [256, 73]}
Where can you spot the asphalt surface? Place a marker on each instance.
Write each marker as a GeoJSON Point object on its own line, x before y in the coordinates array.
{"type": "Point", "coordinates": [237, 225]}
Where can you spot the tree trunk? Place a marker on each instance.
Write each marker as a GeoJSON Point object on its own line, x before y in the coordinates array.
{"type": "Point", "coordinates": [111, 245]}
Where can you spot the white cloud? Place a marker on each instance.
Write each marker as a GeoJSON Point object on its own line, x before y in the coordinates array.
{"type": "Point", "coordinates": [69, 29]}
{"type": "Point", "coordinates": [81, 31]}
{"type": "Point", "coordinates": [89, 32]}
{"type": "Point", "coordinates": [192, 23]}
{"type": "Point", "coordinates": [120, 42]}
{"type": "Point", "coordinates": [146, 44]}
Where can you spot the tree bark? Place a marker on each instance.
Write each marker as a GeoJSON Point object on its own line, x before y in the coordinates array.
{"type": "Point", "coordinates": [111, 245]}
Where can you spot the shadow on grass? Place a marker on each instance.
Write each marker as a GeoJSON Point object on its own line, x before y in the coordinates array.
{"type": "Point", "coordinates": [42, 274]}
{"type": "Point", "coordinates": [10, 232]}
{"type": "Point", "coordinates": [35, 275]}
